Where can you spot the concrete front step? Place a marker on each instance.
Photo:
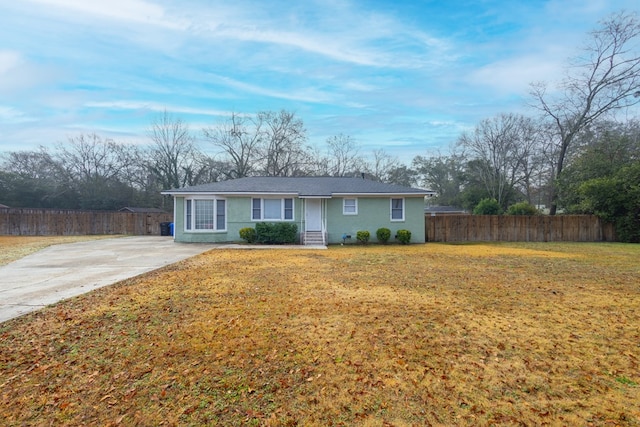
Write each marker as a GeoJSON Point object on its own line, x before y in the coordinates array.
{"type": "Point", "coordinates": [313, 238]}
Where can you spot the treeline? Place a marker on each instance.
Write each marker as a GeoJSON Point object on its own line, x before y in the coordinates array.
{"type": "Point", "coordinates": [93, 172]}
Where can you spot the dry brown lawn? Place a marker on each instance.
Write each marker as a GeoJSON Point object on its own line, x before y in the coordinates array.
{"type": "Point", "coordinates": [482, 334]}
{"type": "Point", "coordinates": [16, 247]}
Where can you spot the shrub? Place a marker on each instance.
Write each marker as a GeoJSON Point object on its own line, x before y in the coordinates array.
{"type": "Point", "coordinates": [487, 207]}
{"type": "Point", "coordinates": [278, 233]}
{"type": "Point", "coordinates": [403, 236]}
{"type": "Point", "coordinates": [363, 236]}
{"type": "Point", "coordinates": [383, 235]}
{"type": "Point", "coordinates": [248, 234]}
{"type": "Point", "coordinates": [522, 208]}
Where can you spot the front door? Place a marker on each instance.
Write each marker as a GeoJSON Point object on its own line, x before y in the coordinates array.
{"type": "Point", "coordinates": [313, 214]}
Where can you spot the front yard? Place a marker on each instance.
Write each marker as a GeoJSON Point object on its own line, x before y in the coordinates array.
{"type": "Point", "coordinates": [480, 334]}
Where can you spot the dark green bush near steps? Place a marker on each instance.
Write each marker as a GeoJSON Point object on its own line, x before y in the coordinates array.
{"type": "Point", "coordinates": [278, 233]}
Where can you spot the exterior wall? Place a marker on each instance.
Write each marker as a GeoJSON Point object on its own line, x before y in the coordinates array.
{"type": "Point", "coordinates": [374, 213]}
{"type": "Point", "coordinates": [238, 216]}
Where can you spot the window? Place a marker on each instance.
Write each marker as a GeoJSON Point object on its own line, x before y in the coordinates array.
{"type": "Point", "coordinates": [397, 209]}
{"type": "Point", "coordinates": [188, 216]}
{"type": "Point", "coordinates": [205, 215]}
{"type": "Point", "coordinates": [288, 208]}
{"type": "Point", "coordinates": [221, 214]}
{"type": "Point", "coordinates": [350, 206]}
{"type": "Point", "coordinates": [272, 209]}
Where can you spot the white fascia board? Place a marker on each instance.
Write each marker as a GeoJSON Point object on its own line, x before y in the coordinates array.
{"type": "Point", "coordinates": [381, 194]}
{"type": "Point", "coordinates": [226, 194]}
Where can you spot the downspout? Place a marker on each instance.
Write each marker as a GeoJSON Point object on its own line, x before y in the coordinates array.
{"type": "Point", "coordinates": [325, 238]}
{"type": "Point", "coordinates": [175, 209]}
{"type": "Point", "coordinates": [303, 231]}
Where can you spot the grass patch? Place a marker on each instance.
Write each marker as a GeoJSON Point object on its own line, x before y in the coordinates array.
{"type": "Point", "coordinates": [13, 248]}
{"type": "Point", "coordinates": [534, 334]}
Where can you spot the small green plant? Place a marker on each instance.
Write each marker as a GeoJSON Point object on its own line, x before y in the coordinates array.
{"type": "Point", "coordinates": [383, 234]}
{"type": "Point", "coordinates": [403, 236]}
{"type": "Point", "coordinates": [522, 208]}
{"type": "Point", "coordinates": [363, 236]}
{"type": "Point", "coordinates": [487, 207]}
{"type": "Point", "coordinates": [626, 381]}
{"type": "Point", "coordinates": [248, 234]}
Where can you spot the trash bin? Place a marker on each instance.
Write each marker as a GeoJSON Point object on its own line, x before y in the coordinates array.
{"type": "Point", "coordinates": [164, 228]}
{"type": "Point", "coordinates": [170, 229]}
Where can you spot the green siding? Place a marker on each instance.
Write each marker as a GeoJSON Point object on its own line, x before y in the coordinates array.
{"type": "Point", "coordinates": [374, 213]}
{"type": "Point", "coordinates": [238, 216]}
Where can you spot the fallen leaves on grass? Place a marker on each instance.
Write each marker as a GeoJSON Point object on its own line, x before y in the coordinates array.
{"type": "Point", "coordinates": [426, 334]}
{"type": "Point", "coordinates": [13, 248]}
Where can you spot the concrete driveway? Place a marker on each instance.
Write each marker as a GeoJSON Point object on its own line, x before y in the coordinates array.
{"type": "Point", "coordinates": [64, 271]}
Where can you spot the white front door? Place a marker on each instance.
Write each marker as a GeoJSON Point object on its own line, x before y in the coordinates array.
{"type": "Point", "coordinates": [313, 214]}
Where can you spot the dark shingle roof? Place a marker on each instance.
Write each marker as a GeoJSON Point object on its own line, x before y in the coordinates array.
{"type": "Point", "coordinates": [300, 186]}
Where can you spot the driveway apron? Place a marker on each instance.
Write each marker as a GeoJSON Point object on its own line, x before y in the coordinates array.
{"type": "Point", "coordinates": [64, 271]}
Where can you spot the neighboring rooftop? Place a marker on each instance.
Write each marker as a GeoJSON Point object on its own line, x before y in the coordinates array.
{"type": "Point", "coordinates": [444, 210]}
{"type": "Point", "coordinates": [141, 210]}
{"type": "Point", "coordinates": [300, 186]}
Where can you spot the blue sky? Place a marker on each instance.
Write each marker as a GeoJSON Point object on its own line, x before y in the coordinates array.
{"type": "Point", "coordinates": [405, 76]}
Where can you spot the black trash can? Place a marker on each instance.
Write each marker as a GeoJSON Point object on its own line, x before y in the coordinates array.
{"type": "Point", "coordinates": [164, 229]}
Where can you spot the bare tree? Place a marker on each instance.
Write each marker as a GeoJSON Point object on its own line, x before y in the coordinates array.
{"type": "Point", "coordinates": [502, 149]}
{"type": "Point", "coordinates": [283, 148]}
{"type": "Point", "coordinates": [34, 179]}
{"type": "Point", "coordinates": [381, 165]}
{"type": "Point", "coordinates": [239, 139]}
{"type": "Point", "coordinates": [604, 79]}
{"type": "Point", "coordinates": [92, 166]}
{"type": "Point", "coordinates": [343, 156]}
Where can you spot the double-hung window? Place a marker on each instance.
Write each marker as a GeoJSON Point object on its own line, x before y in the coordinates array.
{"type": "Point", "coordinates": [397, 209]}
{"type": "Point", "coordinates": [272, 209]}
{"type": "Point", "coordinates": [205, 214]}
{"type": "Point", "coordinates": [349, 206]}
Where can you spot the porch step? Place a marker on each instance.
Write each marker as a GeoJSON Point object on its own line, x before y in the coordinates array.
{"type": "Point", "coordinates": [313, 238]}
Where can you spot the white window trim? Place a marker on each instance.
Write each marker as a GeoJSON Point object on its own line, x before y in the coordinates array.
{"type": "Point", "coordinates": [215, 215]}
{"type": "Point", "coordinates": [282, 209]}
{"type": "Point", "coordinates": [391, 209]}
{"type": "Point", "coordinates": [344, 200]}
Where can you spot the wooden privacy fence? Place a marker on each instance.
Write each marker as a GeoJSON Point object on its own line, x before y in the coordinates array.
{"type": "Point", "coordinates": [516, 228]}
{"type": "Point", "coordinates": [48, 222]}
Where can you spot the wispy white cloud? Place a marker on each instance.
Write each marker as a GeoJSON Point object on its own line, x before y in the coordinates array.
{"type": "Point", "coordinates": [514, 75]}
{"type": "Point", "coordinates": [13, 116]}
{"type": "Point", "coordinates": [8, 61]}
{"type": "Point", "coordinates": [156, 107]}
{"type": "Point", "coordinates": [134, 11]}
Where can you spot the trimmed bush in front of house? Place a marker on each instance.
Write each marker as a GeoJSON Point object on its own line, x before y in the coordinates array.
{"type": "Point", "coordinates": [383, 234]}
{"type": "Point", "coordinates": [278, 233]}
{"type": "Point", "coordinates": [363, 236]}
{"type": "Point", "coordinates": [403, 236]}
{"type": "Point", "coordinates": [248, 234]}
